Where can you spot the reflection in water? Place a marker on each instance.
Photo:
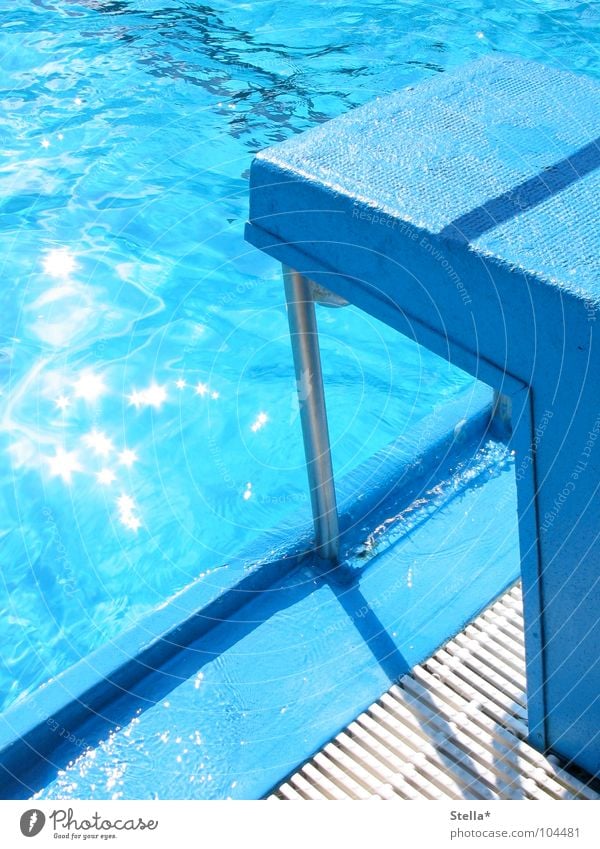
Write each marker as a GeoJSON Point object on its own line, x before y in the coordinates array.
{"type": "Point", "coordinates": [154, 396]}
{"type": "Point", "coordinates": [63, 464]}
{"type": "Point", "coordinates": [62, 402]}
{"type": "Point", "coordinates": [127, 458]}
{"type": "Point", "coordinates": [99, 443]}
{"type": "Point", "coordinates": [89, 386]}
{"type": "Point", "coordinates": [106, 476]}
{"type": "Point", "coordinates": [99, 459]}
{"type": "Point", "coordinates": [259, 422]}
{"type": "Point", "coordinates": [59, 262]}
{"type": "Point", "coordinates": [127, 508]}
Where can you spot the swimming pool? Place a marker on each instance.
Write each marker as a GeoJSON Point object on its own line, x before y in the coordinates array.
{"type": "Point", "coordinates": [149, 423]}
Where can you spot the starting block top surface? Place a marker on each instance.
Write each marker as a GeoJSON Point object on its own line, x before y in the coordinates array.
{"type": "Point", "coordinates": [500, 157]}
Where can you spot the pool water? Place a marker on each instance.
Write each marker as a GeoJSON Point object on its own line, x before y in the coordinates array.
{"type": "Point", "coordinates": [149, 426]}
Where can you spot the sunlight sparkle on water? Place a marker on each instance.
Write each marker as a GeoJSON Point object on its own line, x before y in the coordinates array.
{"type": "Point", "coordinates": [154, 396]}
{"type": "Point", "coordinates": [126, 506]}
{"type": "Point", "coordinates": [259, 422]}
{"type": "Point", "coordinates": [63, 464]}
{"type": "Point", "coordinates": [125, 503]}
{"type": "Point", "coordinates": [62, 402]}
{"type": "Point", "coordinates": [89, 386]}
{"type": "Point", "coordinates": [127, 457]}
{"type": "Point", "coordinates": [99, 443]}
{"type": "Point", "coordinates": [59, 263]}
{"type": "Point", "coordinates": [106, 477]}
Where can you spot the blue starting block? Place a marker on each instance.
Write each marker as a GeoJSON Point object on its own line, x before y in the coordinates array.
{"type": "Point", "coordinates": [463, 213]}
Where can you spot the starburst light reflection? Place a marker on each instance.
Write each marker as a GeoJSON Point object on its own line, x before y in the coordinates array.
{"type": "Point", "coordinates": [89, 386]}
{"type": "Point", "coordinates": [63, 464]}
{"type": "Point", "coordinates": [59, 263]}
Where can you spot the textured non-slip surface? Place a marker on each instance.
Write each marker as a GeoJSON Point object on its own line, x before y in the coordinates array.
{"type": "Point", "coordinates": [500, 155]}
{"type": "Point", "coordinates": [455, 727]}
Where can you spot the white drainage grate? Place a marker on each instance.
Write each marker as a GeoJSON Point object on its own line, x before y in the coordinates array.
{"type": "Point", "coordinates": [454, 728]}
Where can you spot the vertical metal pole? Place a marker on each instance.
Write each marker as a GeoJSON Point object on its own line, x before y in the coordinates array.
{"type": "Point", "coordinates": [313, 415]}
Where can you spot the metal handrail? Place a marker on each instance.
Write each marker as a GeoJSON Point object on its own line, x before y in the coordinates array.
{"type": "Point", "coordinates": [313, 415]}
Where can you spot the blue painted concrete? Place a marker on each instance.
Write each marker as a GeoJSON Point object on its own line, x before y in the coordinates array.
{"type": "Point", "coordinates": [450, 556]}
{"type": "Point", "coordinates": [265, 689]}
{"type": "Point", "coordinates": [463, 212]}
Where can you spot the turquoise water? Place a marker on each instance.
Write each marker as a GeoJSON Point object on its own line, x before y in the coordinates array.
{"type": "Point", "coordinates": [149, 427]}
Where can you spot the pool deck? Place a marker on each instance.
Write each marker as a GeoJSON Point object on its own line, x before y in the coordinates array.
{"type": "Point", "coordinates": [455, 727]}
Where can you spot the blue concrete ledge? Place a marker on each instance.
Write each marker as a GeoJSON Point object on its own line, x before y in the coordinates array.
{"type": "Point", "coordinates": [43, 732]}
